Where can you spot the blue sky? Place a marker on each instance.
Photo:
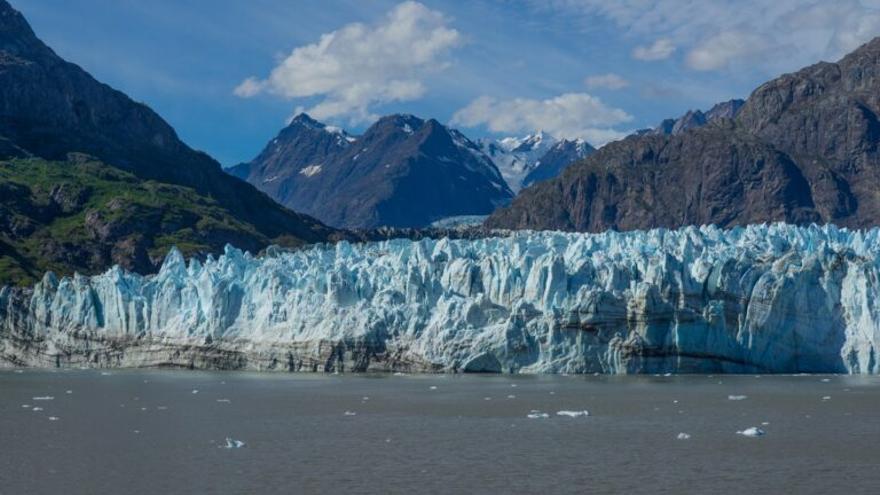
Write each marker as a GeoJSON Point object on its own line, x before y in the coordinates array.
{"type": "Point", "coordinates": [228, 74]}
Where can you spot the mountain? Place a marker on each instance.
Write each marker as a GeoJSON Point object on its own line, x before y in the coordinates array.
{"type": "Point", "coordinates": [696, 118]}
{"type": "Point", "coordinates": [402, 172]}
{"type": "Point", "coordinates": [50, 108]}
{"type": "Point", "coordinates": [803, 148]}
{"type": "Point", "coordinates": [562, 154]}
{"type": "Point", "coordinates": [762, 299]}
{"type": "Point", "coordinates": [517, 157]}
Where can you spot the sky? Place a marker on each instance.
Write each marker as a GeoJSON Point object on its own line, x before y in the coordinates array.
{"type": "Point", "coordinates": [228, 74]}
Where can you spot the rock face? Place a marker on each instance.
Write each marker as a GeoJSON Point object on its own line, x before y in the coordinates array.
{"type": "Point", "coordinates": [402, 172]}
{"type": "Point", "coordinates": [696, 118]}
{"type": "Point", "coordinates": [759, 299]}
{"type": "Point", "coordinates": [558, 157]}
{"type": "Point", "coordinates": [50, 108]}
{"type": "Point", "coordinates": [803, 148]}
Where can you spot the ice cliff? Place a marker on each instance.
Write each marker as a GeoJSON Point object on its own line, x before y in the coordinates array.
{"type": "Point", "coordinates": [774, 298]}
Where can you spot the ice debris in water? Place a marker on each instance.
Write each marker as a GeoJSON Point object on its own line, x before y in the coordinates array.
{"type": "Point", "coordinates": [54, 418]}
{"type": "Point", "coordinates": [232, 443]}
{"type": "Point", "coordinates": [827, 397]}
{"type": "Point", "coordinates": [536, 414]}
{"type": "Point", "coordinates": [753, 431]}
{"type": "Point", "coordinates": [573, 414]}
{"type": "Point", "coordinates": [195, 391]}
{"type": "Point", "coordinates": [37, 409]}
{"type": "Point", "coordinates": [350, 413]}
{"type": "Point", "coordinates": [497, 303]}
{"type": "Point", "coordinates": [683, 436]}
{"type": "Point", "coordinates": [223, 400]}
{"type": "Point", "coordinates": [737, 397]}
{"type": "Point", "coordinates": [43, 397]}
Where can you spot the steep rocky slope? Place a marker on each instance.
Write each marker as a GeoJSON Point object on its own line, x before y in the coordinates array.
{"type": "Point", "coordinates": [803, 148]}
{"type": "Point", "coordinates": [402, 172]}
{"type": "Point", "coordinates": [50, 108]}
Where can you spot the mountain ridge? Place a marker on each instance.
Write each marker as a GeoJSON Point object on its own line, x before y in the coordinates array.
{"type": "Point", "coordinates": [803, 148]}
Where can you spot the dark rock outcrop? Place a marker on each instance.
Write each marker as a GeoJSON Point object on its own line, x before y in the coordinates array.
{"type": "Point", "coordinates": [803, 148]}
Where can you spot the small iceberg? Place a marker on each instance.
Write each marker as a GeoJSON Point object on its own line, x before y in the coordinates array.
{"type": "Point", "coordinates": [350, 413]}
{"type": "Point", "coordinates": [683, 436]}
{"type": "Point", "coordinates": [737, 397]}
{"type": "Point", "coordinates": [536, 414]}
{"type": "Point", "coordinates": [54, 418]}
{"type": "Point", "coordinates": [754, 431]}
{"type": "Point", "coordinates": [37, 409]}
{"type": "Point", "coordinates": [573, 414]}
{"type": "Point", "coordinates": [232, 443]}
{"type": "Point", "coordinates": [45, 397]}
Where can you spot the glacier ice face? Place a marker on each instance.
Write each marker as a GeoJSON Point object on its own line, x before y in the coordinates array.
{"type": "Point", "coordinates": [764, 298]}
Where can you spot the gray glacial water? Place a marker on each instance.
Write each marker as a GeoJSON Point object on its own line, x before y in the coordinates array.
{"type": "Point", "coordinates": [165, 432]}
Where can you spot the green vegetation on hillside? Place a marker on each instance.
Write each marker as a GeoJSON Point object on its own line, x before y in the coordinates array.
{"type": "Point", "coordinates": [83, 215]}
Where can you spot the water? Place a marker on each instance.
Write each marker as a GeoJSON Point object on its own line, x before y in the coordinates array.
{"type": "Point", "coordinates": [165, 432]}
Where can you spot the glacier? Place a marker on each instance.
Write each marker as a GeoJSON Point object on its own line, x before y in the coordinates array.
{"type": "Point", "coordinates": [758, 299]}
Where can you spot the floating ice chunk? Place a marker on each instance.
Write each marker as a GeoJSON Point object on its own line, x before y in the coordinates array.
{"type": "Point", "coordinates": [54, 418]}
{"type": "Point", "coordinates": [753, 431]}
{"type": "Point", "coordinates": [432, 387]}
{"type": "Point", "coordinates": [397, 373]}
{"type": "Point", "coordinates": [513, 385]}
{"type": "Point", "coordinates": [487, 398]}
{"type": "Point", "coordinates": [536, 414]}
{"type": "Point", "coordinates": [18, 371]}
{"type": "Point", "coordinates": [26, 406]}
{"type": "Point", "coordinates": [827, 397]}
{"type": "Point", "coordinates": [43, 397]}
{"type": "Point", "coordinates": [683, 436]}
{"type": "Point", "coordinates": [136, 431]}
{"type": "Point", "coordinates": [232, 443]}
{"type": "Point", "coordinates": [105, 373]}
{"type": "Point", "coordinates": [224, 400]}
{"type": "Point", "coordinates": [37, 409]}
{"type": "Point", "coordinates": [825, 380]}
{"type": "Point", "coordinates": [68, 392]}
{"type": "Point", "coordinates": [511, 396]}
{"type": "Point", "coordinates": [737, 397]}
{"type": "Point", "coordinates": [195, 391]}
{"type": "Point", "coordinates": [765, 423]}
{"type": "Point", "coordinates": [350, 413]}
{"type": "Point", "coordinates": [573, 414]}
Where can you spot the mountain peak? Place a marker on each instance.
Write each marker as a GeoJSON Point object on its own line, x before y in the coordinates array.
{"type": "Point", "coordinates": [303, 119]}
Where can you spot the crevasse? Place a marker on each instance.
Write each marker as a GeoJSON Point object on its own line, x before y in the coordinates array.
{"type": "Point", "coordinates": [765, 298]}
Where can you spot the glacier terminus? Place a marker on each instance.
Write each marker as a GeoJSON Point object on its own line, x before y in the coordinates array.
{"type": "Point", "coordinates": [758, 299]}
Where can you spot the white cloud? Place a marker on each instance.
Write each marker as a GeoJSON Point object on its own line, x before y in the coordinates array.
{"type": "Point", "coordinates": [606, 81]}
{"type": "Point", "coordinates": [768, 36]}
{"type": "Point", "coordinates": [722, 49]}
{"type": "Point", "coordinates": [359, 66]}
{"type": "Point", "coordinates": [659, 50]}
{"type": "Point", "coordinates": [571, 115]}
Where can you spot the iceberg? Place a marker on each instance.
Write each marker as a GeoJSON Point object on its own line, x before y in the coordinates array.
{"type": "Point", "coordinates": [759, 299]}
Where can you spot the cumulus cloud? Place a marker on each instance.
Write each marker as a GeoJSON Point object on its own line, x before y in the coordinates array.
{"type": "Point", "coordinates": [771, 37]}
{"type": "Point", "coordinates": [659, 50]}
{"type": "Point", "coordinates": [358, 66]}
{"type": "Point", "coordinates": [606, 81]}
{"type": "Point", "coordinates": [570, 115]}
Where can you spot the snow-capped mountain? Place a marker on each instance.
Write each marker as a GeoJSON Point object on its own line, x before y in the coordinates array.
{"type": "Point", "coordinates": [518, 158]}
{"type": "Point", "coordinates": [403, 171]}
